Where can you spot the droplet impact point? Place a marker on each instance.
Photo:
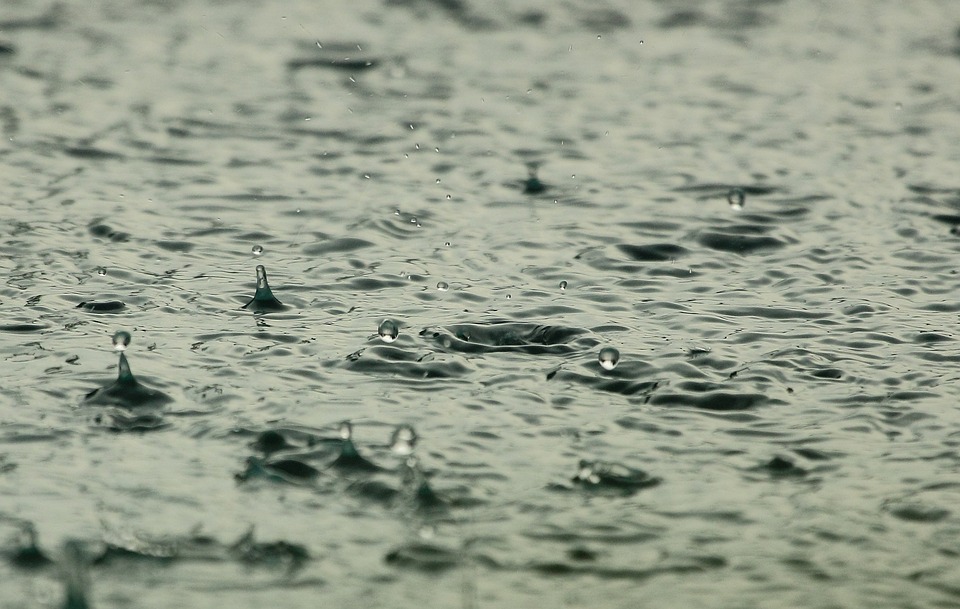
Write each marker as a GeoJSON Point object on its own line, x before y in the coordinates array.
{"type": "Point", "coordinates": [608, 358]}
{"type": "Point", "coordinates": [736, 198]}
{"type": "Point", "coordinates": [121, 340]}
{"type": "Point", "coordinates": [389, 330]}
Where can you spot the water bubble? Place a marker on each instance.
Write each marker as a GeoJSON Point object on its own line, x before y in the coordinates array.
{"type": "Point", "coordinates": [121, 340]}
{"type": "Point", "coordinates": [736, 198]}
{"type": "Point", "coordinates": [443, 286]}
{"type": "Point", "coordinates": [609, 358]}
{"type": "Point", "coordinates": [257, 250]}
{"type": "Point", "coordinates": [346, 430]}
{"type": "Point", "coordinates": [101, 271]}
{"type": "Point", "coordinates": [388, 330]}
{"type": "Point", "coordinates": [403, 440]}
{"type": "Point", "coordinates": [563, 285]}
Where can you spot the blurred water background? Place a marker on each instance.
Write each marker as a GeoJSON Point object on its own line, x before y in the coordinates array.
{"type": "Point", "coordinates": [756, 203]}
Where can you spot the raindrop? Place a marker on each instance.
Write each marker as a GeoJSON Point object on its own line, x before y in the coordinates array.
{"type": "Point", "coordinates": [346, 430]}
{"type": "Point", "coordinates": [447, 244]}
{"type": "Point", "coordinates": [121, 340]}
{"type": "Point", "coordinates": [449, 197]}
{"type": "Point", "coordinates": [443, 286]}
{"type": "Point", "coordinates": [257, 250]}
{"type": "Point", "coordinates": [388, 330]}
{"type": "Point", "coordinates": [563, 285]}
{"type": "Point", "coordinates": [736, 198]}
{"type": "Point", "coordinates": [101, 271]}
{"type": "Point", "coordinates": [403, 440]}
{"type": "Point", "coordinates": [438, 180]}
{"type": "Point", "coordinates": [609, 357]}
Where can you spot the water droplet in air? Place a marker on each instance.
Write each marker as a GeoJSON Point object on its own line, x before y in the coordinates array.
{"type": "Point", "coordinates": [121, 339]}
{"type": "Point", "coordinates": [403, 440]}
{"type": "Point", "coordinates": [257, 250]}
{"type": "Point", "coordinates": [609, 358]}
{"type": "Point", "coordinates": [438, 180]}
{"type": "Point", "coordinates": [446, 244]}
{"type": "Point", "coordinates": [736, 198]}
{"type": "Point", "coordinates": [346, 430]}
{"type": "Point", "coordinates": [443, 286]}
{"type": "Point", "coordinates": [101, 271]}
{"type": "Point", "coordinates": [449, 197]}
{"type": "Point", "coordinates": [388, 330]}
{"type": "Point", "coordinates": [563, 285]}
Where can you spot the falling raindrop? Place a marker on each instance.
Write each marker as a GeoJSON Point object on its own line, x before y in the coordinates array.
{"type": "Point", "coordinates": [257, 250]}
{"type": "Point", "coordinates": [563, 285]}
{"type": "Point", "coordinates": [388, 330]}
{"type": "Point", "coordinates": [346, 430]}
{"type": "Point", "coordinates": [736, 198]}
{"type": "Point", "coordinates": [443, 286]}
{"type": "Point", "coordinates": [403, 440]}
{"type": "Point", "coordinates": [121, 340]}
{"type": "Point", "coordinates": [101, 271]}
{"type": "Point", "coordinates": [609, 358]}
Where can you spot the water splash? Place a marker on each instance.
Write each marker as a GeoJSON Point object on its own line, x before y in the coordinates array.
{"type": "Point", "coordinates": [126, 391]}
{"type": "Point", "coordinates": [415, 491]}
{"type": "Point", "coordinates": [601, 474]}
{"type": "Point", "coordinates": [263, 300]}
{"type": "Point", "coordinates": [121, 340]}
{"type": "Point", "coordinates": [349, 458]}
{"type": "Point", "coordinates": [532, 185]}
{"type": "Point", "coordinates": [608, 358]}
{"type": "Point", "coordinates": [388, 330]}
{"type": "Point", "coordinates": [76, 578]}
{"type": "Point", "coordinates": [736, 198]}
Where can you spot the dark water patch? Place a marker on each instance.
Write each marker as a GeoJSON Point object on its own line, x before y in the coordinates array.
{"type": "Point", "coordinates": [181, 247]}
{"type": "Point", "coordinates": [659, 252]}
{"type": "Point", "coordinates": [103, 306]}
{"type": "Point", "coordinates": [102, 231]}
{"type": "Point", "coordinates": [739, 242]}
{"type": "Point", "coordinates": [120, 421]}
{"type": "Point", "coordinates": [701, 565]}
{"type": "Point", "coordinates": [393, 361]}
{"type": "Point", "coordinates": [601, 476]}
{"type": "Point", "coordinates": [336, 246]}
{"type": "Point", "coordinates": [833, 374]}
{"type": "Point", "coordinates": [26, 553]}
{"type": "Point", "coordinates": [7, 48]}
{"type": "Point", "coordinates": [775, 313]}
{"type": "Point", "coordinates": [916, 512]}
{"type": "Point", "coordinates": [779, 467]}
{"type": "Point", "coordinates": [715, 190]}
{"type": "Point", "coordinates": [49, 20]}
{"type": "Point", "coordinates": [290, 557]}
{"type": "Point", "coordinates": [603, 19]}
{"type": "Point", "coordinates": [620, 384]}
{"type": "Point", "coordinates": [291, 471]}
{"type": "Point", "coordinates": [425, 557]}
{"type": "Point", "coordinates": [345, 64]}
{"type": "Point", "coordinates": [88, 153]}
{"type": "Point", "coordinates": [507, 337]}
{"type": "Point", "coordinates": [926, 338]}
{"type": "Point", "coordinates": [711, 396]}
{"type": "Point", "coordinates": [22, 328]}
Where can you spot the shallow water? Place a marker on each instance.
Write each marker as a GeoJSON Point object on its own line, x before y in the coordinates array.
{"type": "Point", "coordinates": [780, 429]}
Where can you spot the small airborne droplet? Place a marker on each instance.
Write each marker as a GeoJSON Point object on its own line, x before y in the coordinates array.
{"type": "Point", "coordinates": [101, 271]}
{"type": "Point", "coordinates": [388, 330]}
{"type": "Point", "coordinates": [346, 430]}
{"type": "Point", "coordinates": [609, 358]}
{"type": "Point", "coordinates": [257, 250]}
{"type": "Point", "coordinates": [443, 286]}
{"type": "Point", "coordinates": [403, 440]}
{"type": "Point", "coordinates": [121, 340]}
{"type": "Point", "coordinates": [736, 198]}
{"type": "Point", "coordinates": [563, 285]}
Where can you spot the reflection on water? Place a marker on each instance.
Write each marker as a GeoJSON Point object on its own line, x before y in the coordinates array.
{"type": "Point", "coordinates": [574, 304]}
